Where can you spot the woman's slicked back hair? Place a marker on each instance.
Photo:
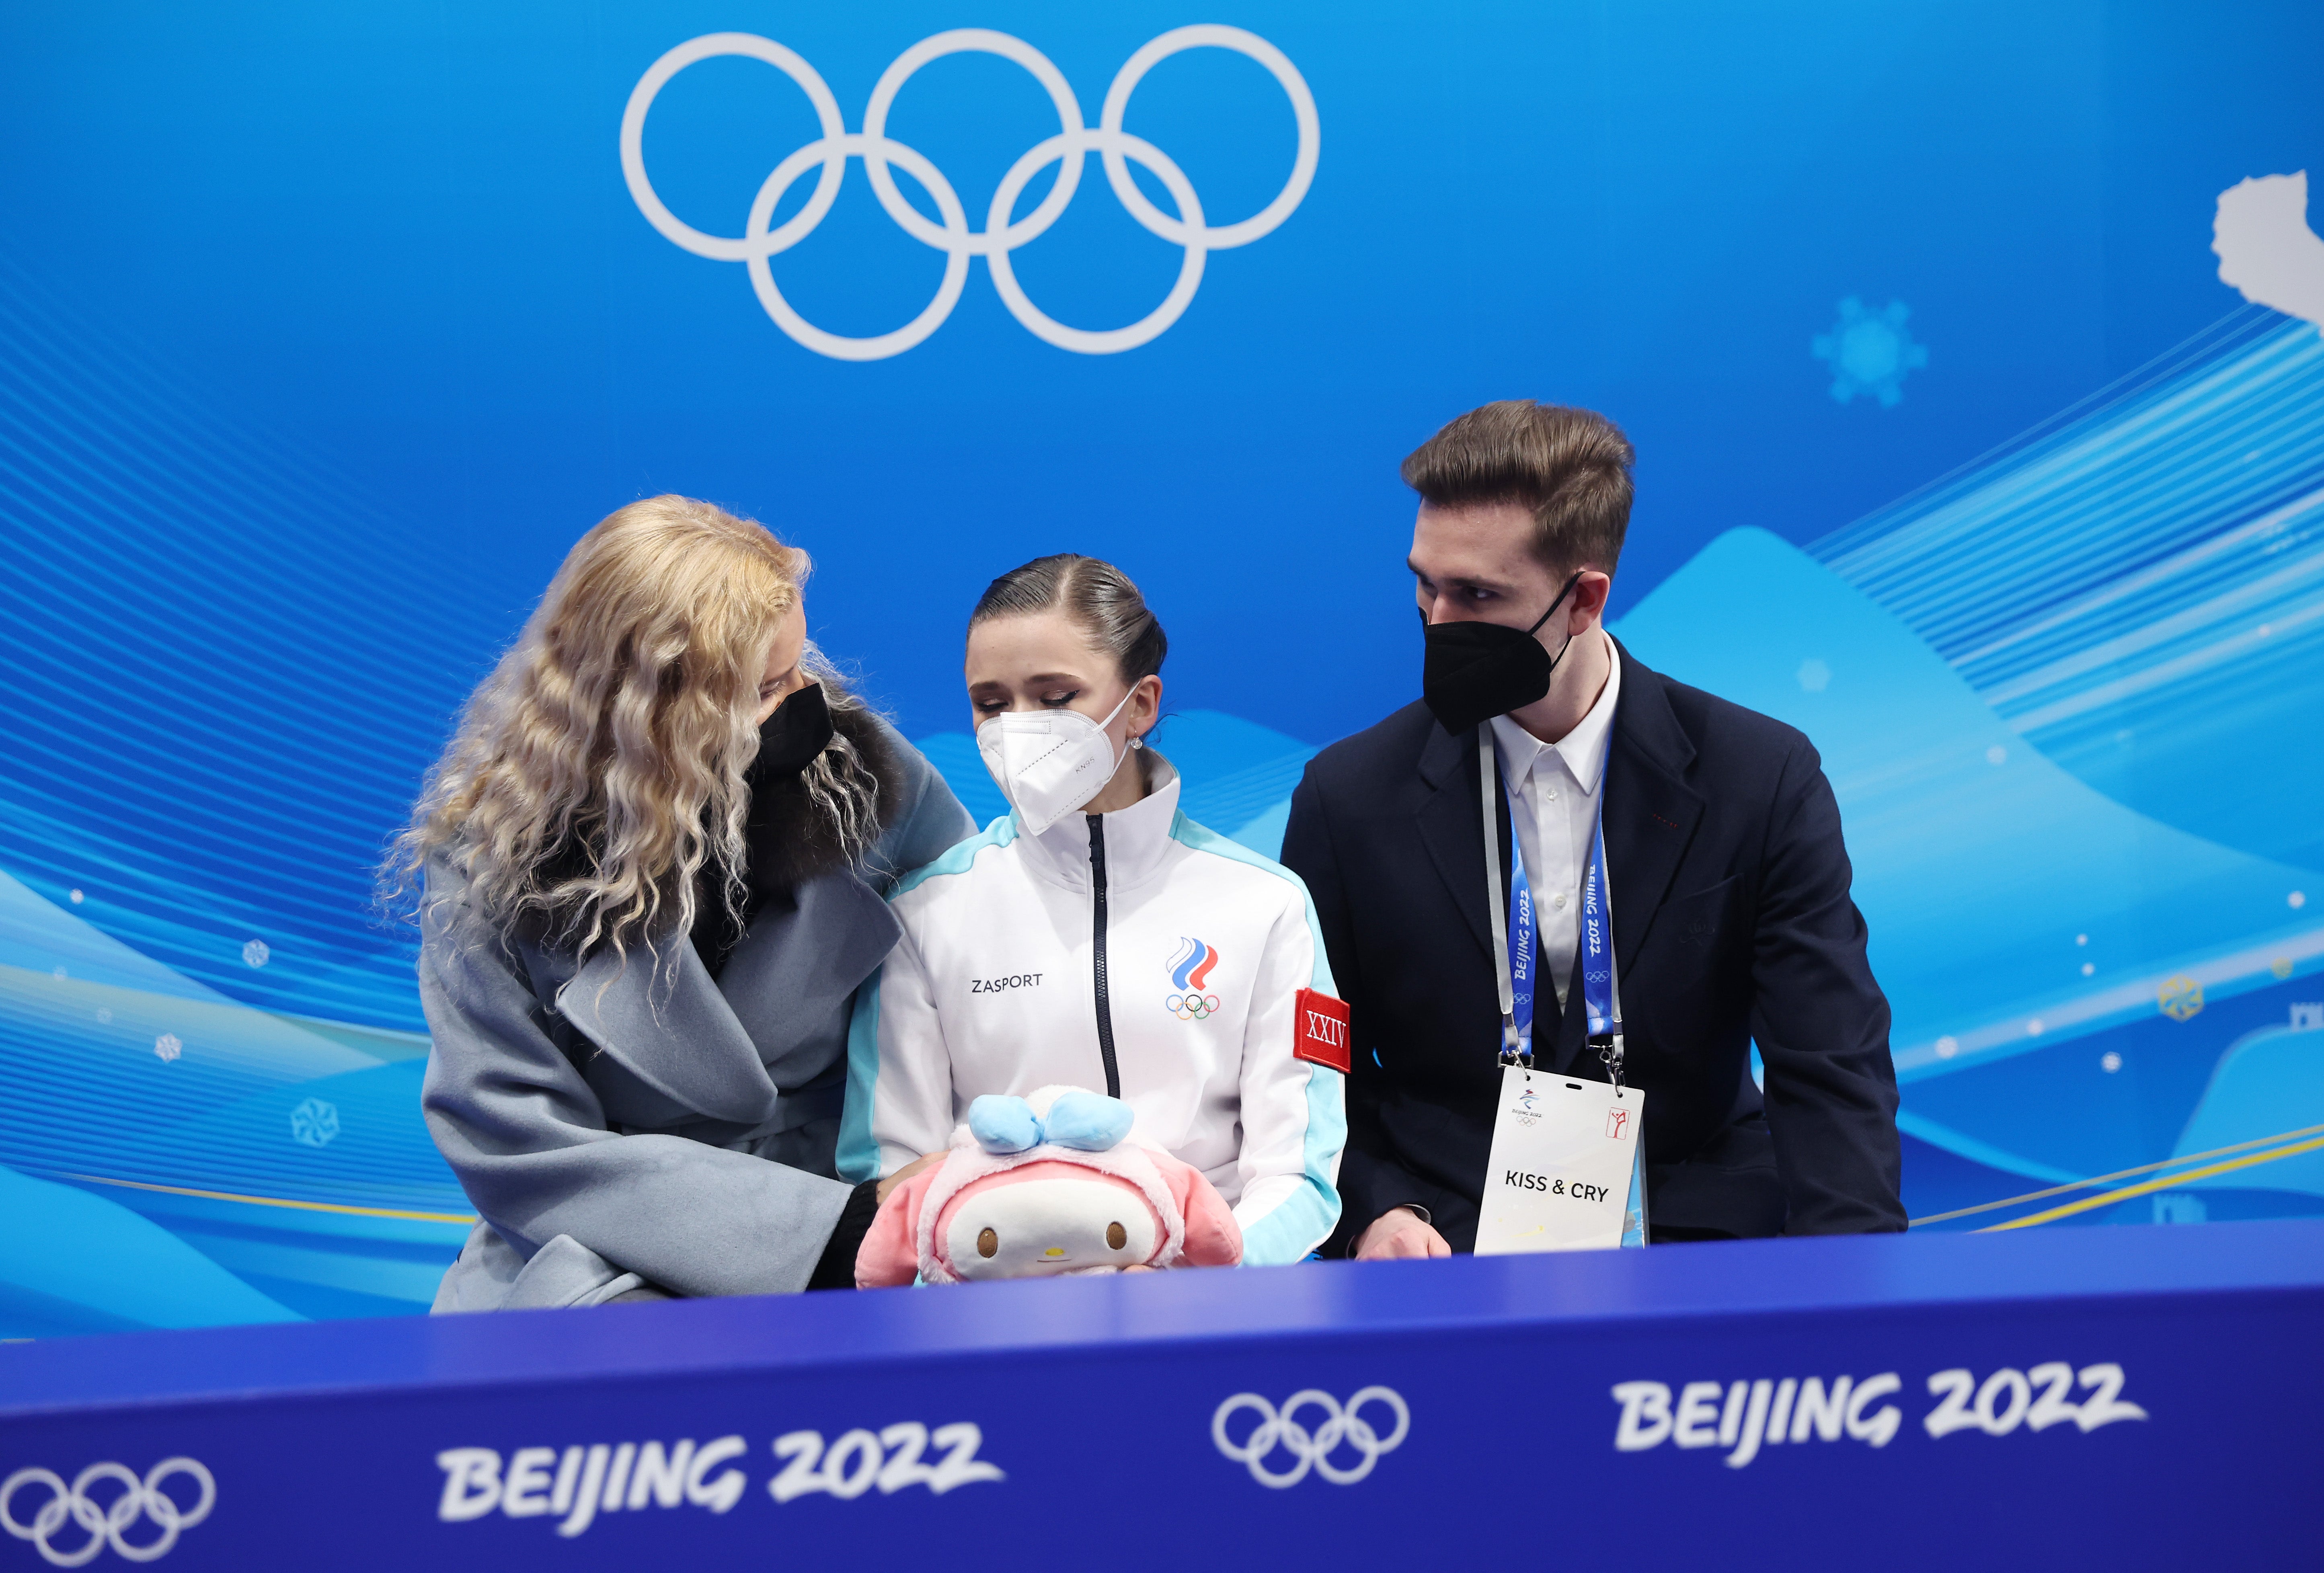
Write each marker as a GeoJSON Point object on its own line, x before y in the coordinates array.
{"type": "Point", "coordinates": [1097, 597]}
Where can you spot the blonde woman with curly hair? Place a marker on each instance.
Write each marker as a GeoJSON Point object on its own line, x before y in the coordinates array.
{"type": "Point", "coordinates": [652, 868]}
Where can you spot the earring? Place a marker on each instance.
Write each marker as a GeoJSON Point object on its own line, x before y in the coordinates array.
{"type": "Point", "coordinates": [1137, 742]}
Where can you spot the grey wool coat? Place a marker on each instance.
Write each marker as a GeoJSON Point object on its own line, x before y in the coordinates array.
{"type": "Point", "coordinates": [623, 1124]}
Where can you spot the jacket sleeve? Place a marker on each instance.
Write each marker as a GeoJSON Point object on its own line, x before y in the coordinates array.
{"type": "Point", "coordinates": [1293, 1119]}
{"type": "Point", "coordinates": [900, 1093]}
{"type": "Point", "coordinates": [1371, 1182]}
{"type": "Point", "coordinates": [524, 1133]}
{"type": "Point", "coordinates": [1821, 1023]}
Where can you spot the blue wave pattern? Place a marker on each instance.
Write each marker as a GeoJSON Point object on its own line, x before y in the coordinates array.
{"type": "Point", "coordinates": [2138, 588]}
{"type": "Point", "coordinates": [178, 786]}
{"type": "Point", "coordinates": [288, 1154]}
{"type": "Point", "coordinates": [207, 781]}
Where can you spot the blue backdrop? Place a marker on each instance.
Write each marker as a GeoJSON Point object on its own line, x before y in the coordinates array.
{"type": "Point", "coordinates": [325, 330]}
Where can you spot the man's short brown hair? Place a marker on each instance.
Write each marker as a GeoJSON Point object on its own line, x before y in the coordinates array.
{"type": "Point", "coordinates": [1569, 468]}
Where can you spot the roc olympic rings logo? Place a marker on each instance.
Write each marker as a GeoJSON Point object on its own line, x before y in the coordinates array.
{"type": "Point", "coordinates": [1190, 974]}
{"type": "Point", "coordinates": [106, 1525]}
{"type": "Point", "coordinates": [1278, 1429]}
{"type": "Point", "coordinates": [762, 238]}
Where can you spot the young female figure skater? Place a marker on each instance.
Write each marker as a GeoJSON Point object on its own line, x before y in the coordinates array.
{"type": "Point", "coordinates": [1098, 937]}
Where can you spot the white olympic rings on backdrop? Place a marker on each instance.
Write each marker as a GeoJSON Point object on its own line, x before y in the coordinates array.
{"type": "Point", "coordinates": [1313, 1450]}
{"type": "Point", "coordinates": [829, 153]}
{"type": "Point", "coordinates": [105, 1524]}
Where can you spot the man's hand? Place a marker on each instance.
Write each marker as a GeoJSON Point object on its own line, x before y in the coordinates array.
{"type": "Point", "coordinates": [906, 1173]}
{"type": "Point", "coordinates": [1400, 1233]}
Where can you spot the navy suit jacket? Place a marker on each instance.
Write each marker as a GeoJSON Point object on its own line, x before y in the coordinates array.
{"type": "Point", "coordinates": [1732, 922]}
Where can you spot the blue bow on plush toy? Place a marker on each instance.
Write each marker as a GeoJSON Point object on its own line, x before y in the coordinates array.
{"type": "Point", "coordinates": [1087, 1122]}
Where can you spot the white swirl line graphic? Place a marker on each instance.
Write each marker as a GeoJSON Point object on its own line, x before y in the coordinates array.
{"type": "Point", "coordinates": [105, 1525]}
{"type": "Point", "coordinates": [1313, 1450]}
{"type": "Point", "coordinates": [762, 239]}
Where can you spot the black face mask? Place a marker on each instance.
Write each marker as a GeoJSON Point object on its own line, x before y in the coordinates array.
{"type": "Point", "coordinates": [1472, 672]}
{"type": "Point", "coordinates": [790, 739]}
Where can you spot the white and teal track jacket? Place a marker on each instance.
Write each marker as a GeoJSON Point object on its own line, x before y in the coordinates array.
{"type": "Point", "coordinates": [1132, 951]}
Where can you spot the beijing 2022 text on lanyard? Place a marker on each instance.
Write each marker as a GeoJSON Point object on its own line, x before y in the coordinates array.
{"type": "Point", "coordinates": [1567, 1171]}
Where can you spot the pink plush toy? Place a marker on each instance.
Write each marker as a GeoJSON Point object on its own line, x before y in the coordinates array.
{"type": "Point", "coordinates": [1046, 1186]}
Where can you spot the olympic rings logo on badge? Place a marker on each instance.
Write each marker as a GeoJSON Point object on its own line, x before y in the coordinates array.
{"type": "Point", "coordinates": [106, 1525]}
{"type": "Point", "coordinates": [762, 239]}
{"type": "Point", "coordinates": [1192, 1006]}
{"type": "Point", "coordinates": [1280, 1430]}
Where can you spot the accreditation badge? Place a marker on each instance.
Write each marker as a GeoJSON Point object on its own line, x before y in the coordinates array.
{"type": "Point", "coordinates": [1564, 1172]}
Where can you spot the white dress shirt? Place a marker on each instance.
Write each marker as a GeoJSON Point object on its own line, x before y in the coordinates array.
{"type": "Point", "coordinates": [1553, 791]}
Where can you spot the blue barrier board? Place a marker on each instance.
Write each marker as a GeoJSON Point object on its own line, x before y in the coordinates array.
{"type": "Point", "coordinates": [2075, 1398]}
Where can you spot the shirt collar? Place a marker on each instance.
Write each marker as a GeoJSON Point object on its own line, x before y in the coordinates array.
{"type": "Point", "coordinates": [1581, 751]}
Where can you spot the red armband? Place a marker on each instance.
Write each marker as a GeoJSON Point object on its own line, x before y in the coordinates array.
{"type": "Point", "coordinates": [1322, 1038]}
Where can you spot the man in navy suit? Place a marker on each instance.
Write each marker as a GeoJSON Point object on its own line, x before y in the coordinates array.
{"type": "Point", "coordinates": [1731, 917]}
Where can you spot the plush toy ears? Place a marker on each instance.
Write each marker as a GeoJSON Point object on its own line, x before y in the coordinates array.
{"type": "Point", "coordinates": [1004, 1125]}
{"type": "Point", "coordinates": [1087, 1122]}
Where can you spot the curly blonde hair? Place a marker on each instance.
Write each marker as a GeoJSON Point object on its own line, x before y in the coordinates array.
{"type": "Point", "coordinates": [603, 762]}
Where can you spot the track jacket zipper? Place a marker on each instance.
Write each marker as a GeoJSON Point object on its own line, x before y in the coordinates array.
{"type": "Point", "coordinates": [1097, 955]}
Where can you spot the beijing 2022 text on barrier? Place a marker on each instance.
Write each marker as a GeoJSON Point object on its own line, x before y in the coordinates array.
{"type": "Point", "coordinates": [2087, 1398]}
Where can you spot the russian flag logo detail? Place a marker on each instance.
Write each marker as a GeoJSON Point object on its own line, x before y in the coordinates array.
{"type": "Point", "coordinates": [1189, 972]}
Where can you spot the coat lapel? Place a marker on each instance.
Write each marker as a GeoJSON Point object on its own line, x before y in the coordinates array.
{"type": "Point", "coordinates": [1651, 812]}
{"type": "Point", "coordinates": [789, 979]}
{"type": "Point", "coordinates": [1448, 820]}
{"type": "Point", "coordinates": [659, 1014]}
{"type": "Point", "coordinates": [1650, 816]}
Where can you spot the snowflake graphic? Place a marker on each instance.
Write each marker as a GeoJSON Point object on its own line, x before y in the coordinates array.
{"type": "Point", "coordinates": [1869, 352]}
{"type": "Point", "coordinates": [1814, 675]}
{"type": "Point", "coordinates": [256, 953]}
{"type": "Point", "coordinates": [167, 1047]}
{"type": "Point", "coordinates": [314, 1123]}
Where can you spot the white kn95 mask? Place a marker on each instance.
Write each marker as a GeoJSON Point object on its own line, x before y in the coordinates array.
{"type": "Point", "coordinates": [1049, 762]}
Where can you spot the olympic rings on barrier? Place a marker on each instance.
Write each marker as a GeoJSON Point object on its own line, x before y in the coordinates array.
{"type": "Point", "coordinates": [1192, 1006]}
{"type": "Point", "coordinates": [762, 238]}
{"type": "Point", "coordinates": [106, 1526]}
{"type": "Point", "coordinates": [1313, 1450]}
